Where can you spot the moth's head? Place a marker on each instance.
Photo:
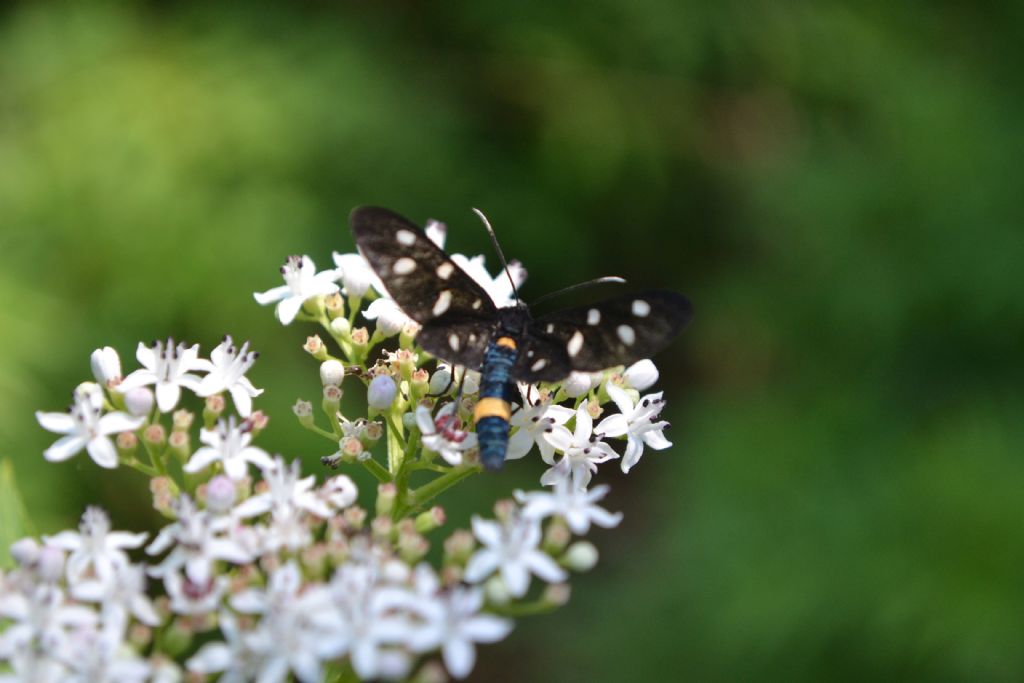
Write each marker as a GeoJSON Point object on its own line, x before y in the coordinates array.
{"type": "Point", "coordinates": [513, 319]}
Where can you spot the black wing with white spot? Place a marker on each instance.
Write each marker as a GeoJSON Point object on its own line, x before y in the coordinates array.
{"type": "Point", "coordinates": [542, 358]}
{"type": "Point", "coordinates": [616, 331]}
{"type": "Point", "coordinates": [426, 284]}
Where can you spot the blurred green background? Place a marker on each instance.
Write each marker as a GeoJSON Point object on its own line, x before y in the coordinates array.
{"type": "Point", "coordinates": [835, 185]}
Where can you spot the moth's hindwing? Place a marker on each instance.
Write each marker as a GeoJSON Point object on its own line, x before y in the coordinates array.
{"type": "Point", "coordinates": [418, 275]}
{"type": "Point", "coordinates": [541, 359]}
{"type": "Point", "coordinates": [616, 331]}
{"type": "Point", "coordinates": [456, 339]}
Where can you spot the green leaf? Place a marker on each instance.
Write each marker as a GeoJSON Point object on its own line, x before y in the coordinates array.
{"type": "Point", "coordinates": [14, 522]}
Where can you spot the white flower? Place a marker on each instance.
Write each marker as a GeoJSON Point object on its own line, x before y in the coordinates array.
{"type": "Point", "coordinates": [637, 422]}
{"type": "Point", "coordinates": [339, 491]}
{"type": "Point", "coordinates": [228, 444]}
{"type": "Point", "coordinates": [454, 623]}
{"type": "Point", "coordinates": [227, 373]}
{"type": "Point", "coordinates": [123, 595]}
{"type": "Point", "coordinates": [199, 540]}
{"type": "Point", "coordinates": [106, 367]}
{"type": "Point", "coordinates": [582, 448]}
{"type": "Point", "coordinates": [98, 655]}
{"type": "Point", "coordinates": [285, 490]}
{"type": "Point", "coordinates": [466, 381]}
{"type": "Point", "coordinates": [41, 618]}
{"type": "Point", "coordinates": [390, 318]}
{"type": "Point", "coordinates": [577, 384]}
{"type": "Point", "coordinates": [442, 434]}
{"type": "Point", "coordinates": [578, 507]}
{"type": "Point", "coordinates": [641, 374]}
{"type": "Point", "coordinates": [295, 633]}
{"type": "Point", "coordinates": [169, 367]}
{"type": "Point", "coordinates": [368, 627]}
{"type": "Point", "coordinates": [356, 274]}
{"type": "Point", "coordinates": [95, 546]}
{"type": "Point", "coordinates": [84, 426]}
{"type": "Point", "coordinates": [194, 598]}
{"type": "Point", "coordinates": [301, 282]}
{"type": "Point", "coordinates": [511, 548]}
{"type": "Point", "coordinates": [498, 287]}
{"type": "Point", "coordinates": [534, 423]}
{"type": "Point", "coordinates": [235, 657]}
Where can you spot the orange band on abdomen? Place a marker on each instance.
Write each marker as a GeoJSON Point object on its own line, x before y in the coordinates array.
{"type": "Point", "coordinates": [491, 407]}
{"type": "Point", "coordinates": [507, 342]}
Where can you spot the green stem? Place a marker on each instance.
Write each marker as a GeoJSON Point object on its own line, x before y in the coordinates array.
{"type": "Point", "coordinates": [141, 467]}
{"type": "Point", "coordinates": [322, 432]}
{"type": "Point", "coordinates": [524, 609]}
{"type": "Point", "coordinates": [377, 470]}
{"type": "Point", "coordinates": [439, 485]}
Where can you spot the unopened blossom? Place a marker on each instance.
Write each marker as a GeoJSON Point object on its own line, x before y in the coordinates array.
{"type": "Point", "coordinates": [301, 282]}
{"type": "Point", "coordinates": [295, 630]}
{"type": "Point", "coordinates": [106, 367]}
{"type": "Point", "coordinates": [453, 623]}
{"type": "Point", "coordinates": [381, 392]}
{"type": "Point", "coordinates": [638, 422]}
{"type": "Point", "coordinates": [227, 373]}
{"type": "Point", "coordinates": [94, 548]}
{"type": "Point", "coordinates": [169, 367]}
{"type": "Point", "coordinates": [332, 372]}
{"type": "Point", "coordinates": [391, 319]}
{"type": "Point", "coordinates": [533, 423]}
{"type": "Point", "coordinates": [231, 445]}
{"type": "Point", "coordinates": [286, 489]}
{"type": "Point", "coordinates": [641, 374]}
{"type": "Point", "coordinates": [577, 384]}
{"type": "Point", "coordinates": [443, 434]}
{"type": "Point", "coordinates": [582, 448]}
{"type": "Point", "coordinates": [197, 541]}
{"type": "Point", "coordinates": [122, 596]}
{"type": "Point", "coordinates": [577, 506]}
{"type": "Point", "coordinates": [85, 426]}
{"type": "Point", "coordinates": [511, 548]}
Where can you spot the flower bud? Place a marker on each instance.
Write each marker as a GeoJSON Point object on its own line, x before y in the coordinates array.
{"type": "Point", "coordinates": [576, 384]}
{"type": "Point", "coordinates": [332, 372]}
{"type": "Point", "coordinates": [180, 444]}
{"type": "Point", "coordinates": [431, 672]}
{"type": "Point", "coordinates": [496, 590]}
{"type": "Point", "coordinates": [409, 420]}
{"type": "Point", "coordinates": [556, 537]}
{"type": "Point", "coordinates": [220, 494]}
{"type": "Point", "coordinates": [25, 551]}
{"type": "Point", "coordinates": [504, 508]}
{"type": "Point", "coordinates": [126, 443]}
{"type": "Point", "coordinates": [51, 563]}
{"type": "Point", "coordinates": [139, 401]}
{"type": "Point", "coordinates": [106, 367]}
{"type": "Point", "coordinates": [258, 421]}
{"type": "Point", "coordinates": [458, 547]}
{"type": "Point", "coordinates": [594, 408]}
{"type": "Point", "coordinates": [581, 556]}
{"type": "Point", "coordinates": [340, 327]}
{"type": "Point", "coordinates": [381, 392]}
{"type": "Point", "coordinates": [334, 304]}
{"type": "Point", "coordinates": [381, 528]}
{"type": "Point", "coordinates": [332, 399]}
{"type": "Point", "coordinates": [355, 517]}
{"type": "Point", "coordinates": [557, 594]}
{"type": "Point", "coordinates": [182, 419]}
{"type": "Point", "coordinates": [386, 499]}
{"type": "Point", "coordinates": [408, 334]}
{"type": "Point", "coordinates": [412, 547]}
{"type": "Point", "coordinates": [430, 520]}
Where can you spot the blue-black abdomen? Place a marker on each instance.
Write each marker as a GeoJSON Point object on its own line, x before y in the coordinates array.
{"type": "Point", "coordinates": [493, 409]}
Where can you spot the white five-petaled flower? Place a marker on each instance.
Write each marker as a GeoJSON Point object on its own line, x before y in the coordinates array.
{"type": "Point", "coordinates": [123, 595]}
{"type": "Point", "coordinates": [583, 448]}
{"type": "Point", "coordinates": [95, 547]}
{"type": "Point", "coordinates": [295, 629]}
{"type": "Point", "coordinates": [356, 274]}
{"type": "Point", "coordinates": [286, 490]}
{"type": "Point", "coordinates": [168, 366]}
{"type": "Point", "coordinates": [193, 598]}
{"type": "Point", "coordinates": [227, 373]}
{"type": "Point", "coordinates": [85, 426]}
{"type": "Point", "coordinates": [637, 422]}
{"type": "Point", "coordinates": [301, 282]}
{"type": "Point", "coordinates": [443, 435]}
{"type": "Point", "coordinates": [390, 318]}
{"type": "Point", "coordinates": [229, 444]}
{"type": "Point", "coordinates": [511, 548]}
{"type": "Point", "coordinates": [534, 423]}
{"type": "Point", "coordinates": [453, 622]}
{"type": "Point", "coordinates": [497, 287]}
{"type": "Point", "coordinates": [199, 539]}
{"type": "Point", "coordinates": [578, 507]}
{"type": "Point", "coordinates": [41, 617]}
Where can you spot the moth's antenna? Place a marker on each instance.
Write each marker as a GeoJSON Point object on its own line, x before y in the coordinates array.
{"type": "Point", "coordinates": [589, 283]}
{"type": "Point", "coordinates": [497, 248]}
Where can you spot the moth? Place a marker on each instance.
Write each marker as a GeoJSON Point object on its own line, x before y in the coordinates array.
{"type": "Point", "coordinates": [462, 325]}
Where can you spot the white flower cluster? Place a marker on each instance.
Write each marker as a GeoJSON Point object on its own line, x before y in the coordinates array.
{"type": "Point", "coordinates": [277, 576]}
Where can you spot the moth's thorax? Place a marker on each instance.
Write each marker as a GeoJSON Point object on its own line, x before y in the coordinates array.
{"type": "Point", "coordinates": [513, 320]}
